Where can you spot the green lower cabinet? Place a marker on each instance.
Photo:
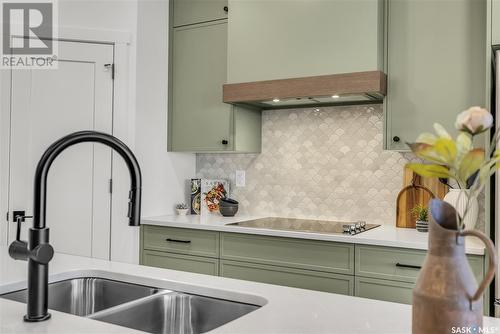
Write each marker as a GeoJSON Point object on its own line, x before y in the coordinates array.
{"type": "Point", "coordinates": [297, 278]}
{"type": "Point", "coordinates": [392, 291]}
{"type": "Point", "coordinates": [375, 272]}
{"type": "Point", "coordinates": [194, 264]}
{"type": "Point", "coordinates": [400, 264]}
{"type": "Point", "coordinates": [181, 240]}
{"type": "Point", "coordinates": [325, 256]}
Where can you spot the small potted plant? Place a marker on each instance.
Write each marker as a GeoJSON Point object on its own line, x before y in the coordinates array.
{"type": "Point", "coordinates": [182, 209]}
{"type": "Point", "coordinates": [421, 214]}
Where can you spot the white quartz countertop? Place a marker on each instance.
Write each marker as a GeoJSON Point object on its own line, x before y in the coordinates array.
{"type": "Point", "coordinates": [384, 235]}
{"type": "Point", "coordinates": [284, 310]}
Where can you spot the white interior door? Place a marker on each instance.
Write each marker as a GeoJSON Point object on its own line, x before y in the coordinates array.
{"type": "Point", "coordinates": [47, 105]}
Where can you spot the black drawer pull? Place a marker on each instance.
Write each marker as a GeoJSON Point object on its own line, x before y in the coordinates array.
{"type": "Point", "coordinates": [177, 240]}
{"type": "Point", "coordinates": [402, 265]}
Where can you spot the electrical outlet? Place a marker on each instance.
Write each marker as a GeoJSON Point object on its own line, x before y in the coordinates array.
{"type": "Point", "coordinates": [240, 178]}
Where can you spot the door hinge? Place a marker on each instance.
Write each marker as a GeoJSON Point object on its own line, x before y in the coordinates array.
{"type": "Point", "coordinates": [110, 186]}
{"type": "Point", "coordinates": [7, 216]}
{"type": "Point", "coordinates": [112, 68]}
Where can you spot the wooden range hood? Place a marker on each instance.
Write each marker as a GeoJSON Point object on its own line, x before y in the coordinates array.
{"type": "Point", "coordinates": [335, 89]}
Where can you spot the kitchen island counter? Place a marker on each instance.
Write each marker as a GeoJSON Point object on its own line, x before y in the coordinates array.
{"type": "Point", "coordinates": [284, 310]}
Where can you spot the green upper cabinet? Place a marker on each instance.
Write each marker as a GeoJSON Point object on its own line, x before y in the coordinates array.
{"type": "Point", "coordinates": [495, 22]}
{"type": "Point", "coordinates": [277, 39]}
{"type": "Point", "coordinates": [198, 119]}
{"type": "Point", "coordinates": [435, 64]}
{"type": "Point", "coordinates": [198, 11]}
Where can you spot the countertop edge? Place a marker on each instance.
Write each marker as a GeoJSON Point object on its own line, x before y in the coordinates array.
{"type": "Point", "coordinates": [375, 237]}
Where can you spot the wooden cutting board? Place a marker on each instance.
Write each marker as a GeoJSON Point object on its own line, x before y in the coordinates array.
{"type": "Point", "coordinates": [423, 190]}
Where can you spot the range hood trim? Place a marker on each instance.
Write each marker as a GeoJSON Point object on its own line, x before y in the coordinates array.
{"type": "Point", "coordinates": [372, 84]}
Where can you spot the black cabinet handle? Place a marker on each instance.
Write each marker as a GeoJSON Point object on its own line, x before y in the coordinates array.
{"type": "Point", "coordinates": [180, 241]}
{"type": "Point", "coordinates": [402, 265]}
{"type": "Point", "coordinates": [396, 139]}
{"type": "Point", "coordinates": [226, 9]}
{"type": "Point", "coordinates": [224, 142]}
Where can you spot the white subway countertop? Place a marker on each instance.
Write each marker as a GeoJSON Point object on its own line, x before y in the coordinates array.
{"type": "Point", "coordinates": [283, 309]}
{"type": "Point", "coordinates": [384, 235]}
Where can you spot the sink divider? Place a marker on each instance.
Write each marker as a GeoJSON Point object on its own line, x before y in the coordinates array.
{"type": "Point", "coordinates": [129, 304]}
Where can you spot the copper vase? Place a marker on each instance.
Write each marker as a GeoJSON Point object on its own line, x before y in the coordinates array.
{"type": "Point", "coordinates": [446, 294]}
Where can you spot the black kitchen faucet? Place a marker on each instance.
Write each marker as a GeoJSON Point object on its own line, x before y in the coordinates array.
{"type": "Point", "coordinates": [40, 252]}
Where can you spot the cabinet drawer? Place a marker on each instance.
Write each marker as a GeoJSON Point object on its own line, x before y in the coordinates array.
{"type": "Point", "coordinates": [198, 11]}
{"type": "Point", "coordinates": [194, 264]}
{"type": "Point", "coordinates": [180, 240]}
{"type": "Point", "coordinates": [288, 252]}
{"type": "Point", "coordinates": [395, 263]}
{"type": "Point", "coordinates": [392, 291]}
{"type": "Point", "coordinates": [297, 278]}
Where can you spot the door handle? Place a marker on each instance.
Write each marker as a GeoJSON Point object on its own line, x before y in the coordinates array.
{"type": "Point", "coordinates": [19, 214]}
{"type": "Point", "coordinates": [179, 241]}
{"type": "Point", "coordinates": [411, 266]}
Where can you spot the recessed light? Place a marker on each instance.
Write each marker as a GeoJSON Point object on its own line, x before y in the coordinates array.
{"type": "Point", "coordinates": [276, 99]}
{"type": "Point", "coordinates": [335, 96]}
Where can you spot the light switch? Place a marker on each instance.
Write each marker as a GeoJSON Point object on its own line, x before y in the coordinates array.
{"type": "Point", "coordinates": [240, 178]}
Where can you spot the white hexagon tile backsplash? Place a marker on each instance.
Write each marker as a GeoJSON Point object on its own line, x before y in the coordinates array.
{"type": "Point", "coordinates": [320, 163]}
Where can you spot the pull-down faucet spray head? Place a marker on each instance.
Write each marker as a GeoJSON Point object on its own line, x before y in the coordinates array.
{"type": "Point", "coordinates": [40, 252]}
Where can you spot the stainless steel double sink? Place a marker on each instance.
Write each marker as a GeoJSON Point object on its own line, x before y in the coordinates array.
{"type": "Point", "coordinates": [139, 307]}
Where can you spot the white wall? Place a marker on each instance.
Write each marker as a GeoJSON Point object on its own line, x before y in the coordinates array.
{"type": "Point", "coordinates": [164, 174]}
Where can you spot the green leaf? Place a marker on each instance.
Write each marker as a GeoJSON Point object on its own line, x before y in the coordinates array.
{"type": "Point", "coordinates": [471, 162]}
{"type": "Point", "coordinates": [441, 131]}
{"type": "Point", "coordinates": [464, 145]}
{"type": "Point", "coordinates": [426, 138]}
{"type": "Point", "coordinates": [484, 171]}
{"type": "Point", "coordinates": [446, 149]}
{"type": "Point", "coordinates": [430, 170]}
{"type": "Point", "coordinates": [427, 152]}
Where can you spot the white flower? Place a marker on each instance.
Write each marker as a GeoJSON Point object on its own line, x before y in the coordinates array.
{"type": "Point", "coordinates": [474, 120]}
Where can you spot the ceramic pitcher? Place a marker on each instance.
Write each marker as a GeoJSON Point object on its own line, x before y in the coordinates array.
{"type": "Point", "coordinates": [446, 294]}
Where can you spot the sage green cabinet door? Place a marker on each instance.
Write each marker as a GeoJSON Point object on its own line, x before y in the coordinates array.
{"type": "Point", "coordinates": [198, 120]}
{"type": "Point", "coordinates": [317, 255]}
{"type": "Point", "coordinates": [495, 22]}
{"type": "Point", "coordinates": [198, 11]}
{"type": "Point", "coordinates": [194, 264]}
{"type": "Point", "coordinates": [297, 278]}
{"type": "Point", "coordinates": [398, 264]}
{"type": "Point", "coordinates": [180, 240]}
{"type": "Point", "coordinates": [392, 291]}
{"type": "Point", "coordinates": [388, 262]}
{"type": "Point", "coordinates": [277, 39]}
{"type": "Point", "coordinates": [435, 65]}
